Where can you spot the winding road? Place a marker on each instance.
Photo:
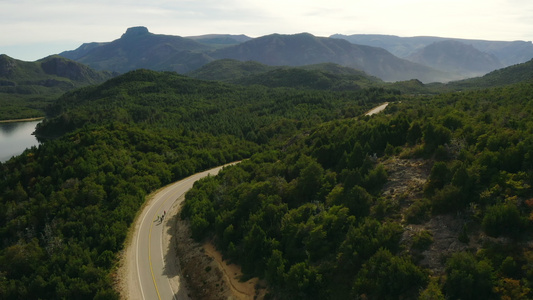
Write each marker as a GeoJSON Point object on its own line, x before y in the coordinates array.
{"type": "Point", "coordinates": [146, 276]}
{"type": "Point", "coordinates": [144, 272]}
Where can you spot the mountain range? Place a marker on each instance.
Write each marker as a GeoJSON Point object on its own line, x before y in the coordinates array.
{"type": "Point", "coordinates": [389, 58]}
{"type": "Point", "coordinates": [428, 59]}
{"type": "Point", "coordinates": [306, 49]}
{"type": "Point", "coordinates": [508, 53]}
{"type": "Point", "coordinates": [464, 58]}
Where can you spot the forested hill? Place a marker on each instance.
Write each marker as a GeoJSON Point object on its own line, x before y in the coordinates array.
{"type": "Point", "coordinates": [66, 205]}
{"type": "Point", "coordinates": [165, 99]}
{"type": "Point", "coordinates": [319, 219]}
{"type": "Point", "coordinates": [514, 74]}
{"type": "Point", "coordinates": [27, 87]}
{"type": "Point", "coordinates": [325, 76]}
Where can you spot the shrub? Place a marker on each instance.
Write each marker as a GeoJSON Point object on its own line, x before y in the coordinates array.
{"type": "Point", "coordinates": [422, 240]}
{"type": "Point", "coordinates": [418, 212]}
{"type": "Point", "coordinates": [468, 278]}
{"type": "Point", "coordinates": [503, 219]}
{"type": "Point", "coordinates": [448, 199]}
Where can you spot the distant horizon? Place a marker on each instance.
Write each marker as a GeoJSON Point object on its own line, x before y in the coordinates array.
{"type": "Point", "coordinates": [27, 52]}
{"type": "Point", "coordinates": [35, 29]}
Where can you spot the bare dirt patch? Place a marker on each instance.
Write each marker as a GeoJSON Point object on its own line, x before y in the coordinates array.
{"type": "Point", "coordinates": [405, 186]}
{"type": "Point", "coordinates": [207, 275]}
{"type": "Point", "coordinates": [406, 178]}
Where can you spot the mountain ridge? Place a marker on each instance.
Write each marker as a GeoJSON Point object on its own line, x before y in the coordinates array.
{"type": "Point", "coordinates": [457, 58]}
{"type": "Point", "coordinates": [141, 49]}
{"type": "Point", "coordinates": [508, 52]}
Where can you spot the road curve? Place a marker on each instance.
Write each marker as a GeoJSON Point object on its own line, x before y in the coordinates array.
{"type": "Point", "coordinates": [144, 262]}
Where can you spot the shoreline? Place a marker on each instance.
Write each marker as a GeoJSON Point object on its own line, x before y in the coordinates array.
{"type": "Point", "coordinates": [22, 120]}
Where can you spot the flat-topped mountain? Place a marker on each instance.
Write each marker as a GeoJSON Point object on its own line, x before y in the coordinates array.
{"type": "Point", "coordinates": [138, 48]}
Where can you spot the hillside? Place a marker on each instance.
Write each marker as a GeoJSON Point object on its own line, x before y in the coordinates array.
{"type": "Point", "coordinates": [519, 73]}
{"type": "Point", "coordinates": [514, 74]}
{"type": "Point", "coordinates": [431, 200]}
{"type": "Point", "coordinates": [311, 77]}
{"type": "Point", "coordinates": [457, 58]}
{"type": "Point", "coordinates": [330, 76]}
{"type": "Point", "coordinates": [27, 87]}
{"type": "Point", "coordinates": [229, 70]}
{"type": "Point", "coordinates": [326, 76]}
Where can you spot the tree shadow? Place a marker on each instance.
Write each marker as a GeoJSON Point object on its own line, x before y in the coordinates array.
{"type": "Point", "coordinates": [172, 264]}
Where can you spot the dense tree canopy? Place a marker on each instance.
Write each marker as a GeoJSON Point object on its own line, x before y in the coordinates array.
{"type": "Point", "coordinates": [306, 217]}
{"type": "Point", "coordinates": [306, 211]}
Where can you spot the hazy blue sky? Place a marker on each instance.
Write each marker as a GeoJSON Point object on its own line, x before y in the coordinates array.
{"type": "Point", "coordinates": [33, 29]}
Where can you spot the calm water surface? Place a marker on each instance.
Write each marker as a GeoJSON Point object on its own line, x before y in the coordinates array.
{"type": "Point", "coordinates": [15, 138]}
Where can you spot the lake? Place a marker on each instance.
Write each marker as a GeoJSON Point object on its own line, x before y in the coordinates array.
{"type": "Point", "coordinates": [16, 137]}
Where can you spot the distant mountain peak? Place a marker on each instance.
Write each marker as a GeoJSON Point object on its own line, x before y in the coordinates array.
{"type": "Point", "coordinates": [136, 31]}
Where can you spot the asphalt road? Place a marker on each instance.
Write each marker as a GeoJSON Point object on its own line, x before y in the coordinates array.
{"type": "Point", "coordinates": [148, 241]}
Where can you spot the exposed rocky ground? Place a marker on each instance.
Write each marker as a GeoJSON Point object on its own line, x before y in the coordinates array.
{"type": "Point", "coordinates": [450, 233]}
{"type": "Point", "coordinates": [207, 275]}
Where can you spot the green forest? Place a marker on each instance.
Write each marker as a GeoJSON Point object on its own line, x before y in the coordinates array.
{"type": "Point", "coordinates": [306, 210]}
